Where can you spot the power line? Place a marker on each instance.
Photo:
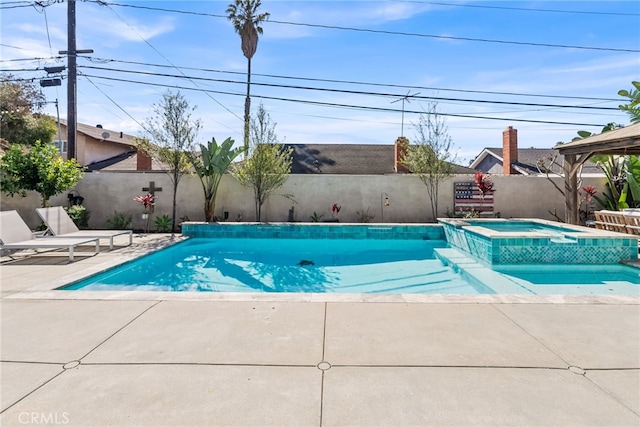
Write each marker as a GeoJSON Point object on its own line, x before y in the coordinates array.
{"type": "Point", "coordinates": [347, 106]}
{"type": "Point", "coordinates": [359, 82]}
{"type": "Point", "coordinates": [471, 39]}
{"type": "Point", "coordinates": [4, 7]}
{"type": "Point", "coordinates": [113, 101]}
{"type": "Point", "coordinates": [524, 9]}
{"type": "Point", "coordinates": [387, 32]}
{"type": "Point", "coordinates": [168, 61]}
{"type": "Point", "coordinates": [352, 92]}
{"type": "Point", "coordinates": [446, 100]}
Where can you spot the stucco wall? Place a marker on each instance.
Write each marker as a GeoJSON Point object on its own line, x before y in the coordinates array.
{"type": "Point", "coordinates": [108, 192]}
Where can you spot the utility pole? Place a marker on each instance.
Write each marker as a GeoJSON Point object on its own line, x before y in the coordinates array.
{"type": "Point", "coordinates": [72, 86]}
{"type": "Point", "coordinates": [404, 98]}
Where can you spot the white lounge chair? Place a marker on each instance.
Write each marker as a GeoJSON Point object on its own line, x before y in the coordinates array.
{"type": "Point", "coordinates": [15, 234]}
{"type": "Point", "coordinates": [61, 225]}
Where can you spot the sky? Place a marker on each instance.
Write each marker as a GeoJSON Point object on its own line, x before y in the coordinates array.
{"type": "Point", "coordinates": [350, 72]}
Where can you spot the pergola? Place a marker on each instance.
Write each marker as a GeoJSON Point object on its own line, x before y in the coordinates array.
{"type": "Point", "coordinates": [621, 141]}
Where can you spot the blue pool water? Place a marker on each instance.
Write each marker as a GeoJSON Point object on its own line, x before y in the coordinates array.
{"type": "Point", "coordinates": [288, 265]}
{"type": "Point", "coordinates": [519, 226]}
{"type": "Point", "coordinates": [558, 279]}
{"type": "Point", "coordinates": [348, 266]}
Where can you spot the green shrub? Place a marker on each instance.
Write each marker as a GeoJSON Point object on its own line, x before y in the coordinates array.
{"type": "Point", "coordinates": [163, 223]}
{"type": "Point", "coordinates": [120, 221]}
{"type": "Point", "coordinates": [79, 215]}
{"type": "Point", "coordinates": [315, 217]}
{"type": "Point", "coordinates": [364, 216]}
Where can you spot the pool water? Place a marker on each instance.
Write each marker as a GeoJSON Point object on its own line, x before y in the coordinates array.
{"type": "Point", "coordinates": [349, 265]}
{"type": "Point", "coordinates": [519, 226]}
{"type": "Point", "coordinates": [558, 279]}
{"type": "Point", "coordinates": [288, 265]}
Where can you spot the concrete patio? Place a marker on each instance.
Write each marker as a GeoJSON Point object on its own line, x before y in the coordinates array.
{"type": "Point", "coordinates": [154, 359]}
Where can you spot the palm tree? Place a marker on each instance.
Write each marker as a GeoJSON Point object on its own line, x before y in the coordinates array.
{"type": "Point", "coordinates": [246, 21]}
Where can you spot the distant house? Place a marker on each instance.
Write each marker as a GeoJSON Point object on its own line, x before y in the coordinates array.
{"type": "Point", "coordinates": [511, 160]}
{"type": "Point", "coordinates": [98, 148]}
{"type": "Point", "coordinates": [350, 159]}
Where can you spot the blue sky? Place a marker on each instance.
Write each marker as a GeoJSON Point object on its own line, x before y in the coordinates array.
{"type": "Point", "coordinates": [343, 64]}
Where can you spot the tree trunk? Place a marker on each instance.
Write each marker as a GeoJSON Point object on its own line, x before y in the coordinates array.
{"type": "Point", "coordinates": [258, 205]}
{"type": "Point", "coordinates": [247, 108]}
{"type": "Point", "coordinates": [173, 211]}
{"type": "Point", "coordinates": [209, 209]}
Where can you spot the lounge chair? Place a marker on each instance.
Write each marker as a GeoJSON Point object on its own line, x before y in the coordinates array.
{"type": "Point", "coordinates": [632, 219]}
{"type": "Point", "coordinates": [15, 234]}
{"type": "Point", "coordinates": [611, 221]}
{"type": "Point", "coordinates": [61, 225]}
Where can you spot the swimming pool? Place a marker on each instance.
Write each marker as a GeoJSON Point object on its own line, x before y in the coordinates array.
{"type": "Point", "coordinates": [396, 259]}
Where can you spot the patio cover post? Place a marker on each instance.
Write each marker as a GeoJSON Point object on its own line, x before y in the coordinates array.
{"type": "Point", "coordinates": [571, 214]}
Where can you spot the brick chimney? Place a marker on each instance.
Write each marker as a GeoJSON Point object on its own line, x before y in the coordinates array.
{"type": "Point", "coordinates": [399, 151]}
{"type": "Point", "coordinates": [143, 162]}
{"type": "Point", "coordinates": [509, 150]}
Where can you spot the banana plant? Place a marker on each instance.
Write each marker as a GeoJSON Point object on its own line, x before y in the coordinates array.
{"type": "Point", "coordinates": [633, 107]}
{"type": "Point", "coordinates": [623, 181]}
{"type": "Point", "coordinates": [210, 166]}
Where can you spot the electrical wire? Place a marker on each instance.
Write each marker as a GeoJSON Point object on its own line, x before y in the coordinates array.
{"type": "Point", "coordinates": [387, 32]}
{"type": "Point", "coordinates": [113, 101]}
{"type": "Point", "coordinates": [351, 92]}
{"type": "Point", "coordinates": [169, 62]}
{"type": "Point", "coordinates": [352, 82]}
{"type": "Point", "coordinates": [346, 106]}
{"type": "Point", "coordinates": [524, 9]}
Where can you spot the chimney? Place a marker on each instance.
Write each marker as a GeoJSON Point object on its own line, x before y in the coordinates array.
{"type": "Point", "coordinates": [143, 162]}
{"type": "Point", "coordinates": [399, 151]}
{"type": "Point", "coordinates": [509, 150]}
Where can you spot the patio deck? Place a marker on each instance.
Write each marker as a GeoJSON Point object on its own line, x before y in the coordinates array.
{"type": "Point", "coordinates": [148, 359]}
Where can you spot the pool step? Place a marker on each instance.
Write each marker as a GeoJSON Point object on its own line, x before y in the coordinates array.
{"type": "Point", "coordinates": [478, 274]}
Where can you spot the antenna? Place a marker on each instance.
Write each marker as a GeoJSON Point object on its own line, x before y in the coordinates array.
{"type": "Point", "coordinates": [404, 98]}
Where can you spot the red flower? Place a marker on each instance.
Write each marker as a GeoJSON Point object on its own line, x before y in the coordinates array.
{"type": "Point", "coordinates": [335, 208]}
{"type": "Point", "coordinates": [146, 201]}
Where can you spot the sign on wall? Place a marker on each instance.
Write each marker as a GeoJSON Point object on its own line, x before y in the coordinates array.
{"type": "Point", "coordinates": [468, 199]}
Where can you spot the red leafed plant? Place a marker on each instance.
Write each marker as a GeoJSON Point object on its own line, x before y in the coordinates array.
{"type": "Point", "coordinates": [335, 209]}
{"type": "Point", "coordinates": [484, 183]}
{"type": "Point", "coordinates": [147, 201]}
{"type": "Point", "coordinates": [590, 191]}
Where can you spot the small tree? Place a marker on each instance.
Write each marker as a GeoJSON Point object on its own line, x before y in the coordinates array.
{"type": "Point", "coordinates": [38, 168]}
{"type": "Point", "coordinates": [21, 103]}
{"type": "Point", "coordinates": [170, 137]}
{"type": "Point", "coordinates": [212, 164]}
{"type": "Point", "coordinates": [431, 157]}
{"type": "Point", "coordinates": [268, 163]}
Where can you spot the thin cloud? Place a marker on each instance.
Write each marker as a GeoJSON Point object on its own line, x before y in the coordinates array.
{"type": "Point", "coordinates": [129, 30]}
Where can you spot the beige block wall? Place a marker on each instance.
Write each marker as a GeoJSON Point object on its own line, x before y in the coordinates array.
{"type": "Point", "coordinates": [108, 192]}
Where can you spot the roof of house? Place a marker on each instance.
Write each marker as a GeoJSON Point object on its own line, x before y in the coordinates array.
{"type": "Point", "coordinates": [101, 134]}
{"type": "Point", "coordinates": [347, 159]}
{"type": "Point", "coordinates": [528, 159]}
